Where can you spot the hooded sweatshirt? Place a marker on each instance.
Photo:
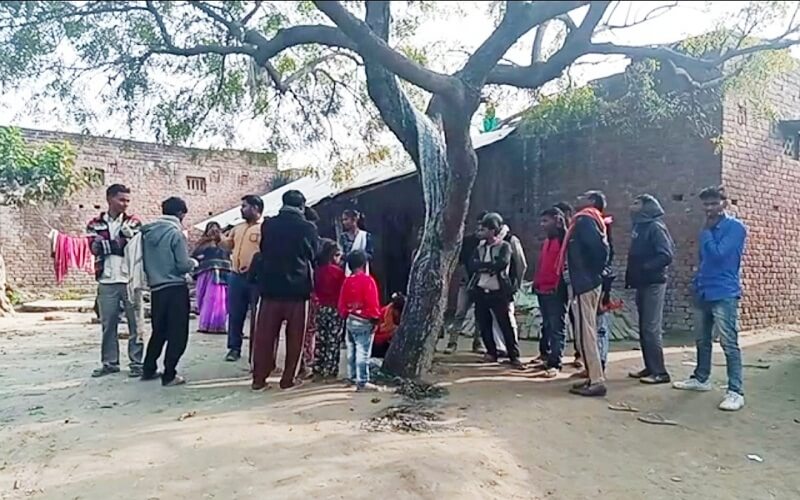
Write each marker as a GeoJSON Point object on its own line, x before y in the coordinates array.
{"type": "Point", "coordinates": [166, 253]}
{"type": "Point", "coordinates": [651, 249]}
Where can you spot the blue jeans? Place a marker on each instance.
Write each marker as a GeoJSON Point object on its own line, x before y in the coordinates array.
{"type": "Point", "coordinates": [359, 345]}
{"type": "Point", "coordinates": [718, 318]}
{"type": "Point", "coordinates": [240, 295]}
{"type": "Point", "coordinates": [603, 327]}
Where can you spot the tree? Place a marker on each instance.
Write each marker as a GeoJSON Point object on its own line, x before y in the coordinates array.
{"type": "Point", "coordinates": [29, 176]}
{"type": "Point", "coordinates": [215, 44]}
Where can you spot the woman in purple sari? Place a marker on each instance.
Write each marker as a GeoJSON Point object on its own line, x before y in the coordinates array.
{"type": "Point", "coordinates": [211, 275]}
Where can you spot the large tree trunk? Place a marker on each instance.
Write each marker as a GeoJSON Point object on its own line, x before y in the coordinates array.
{"type": "Point", "coordinates": [439, 144]}
{"type": "Point", "coordinates": [6, 308]}
{"type": "Point", "coordinates": [446, 185]}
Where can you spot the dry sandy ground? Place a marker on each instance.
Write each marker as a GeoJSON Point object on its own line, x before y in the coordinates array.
{"type": "Point", "coordinates": [65, 435]}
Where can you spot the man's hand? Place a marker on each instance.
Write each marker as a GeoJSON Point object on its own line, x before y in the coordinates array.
{"type": "Point", "coordinates": [97, 246]}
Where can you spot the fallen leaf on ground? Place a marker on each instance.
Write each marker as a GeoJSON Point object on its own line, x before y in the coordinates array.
{"type": "Point", "coordinates": [188, 414]}
{"type": "Point", "coordinates": [676, 479]}
{"type": "Point", "coordinates": [755, 458]}
{"type": "Point", "coordinates": [375, 400]}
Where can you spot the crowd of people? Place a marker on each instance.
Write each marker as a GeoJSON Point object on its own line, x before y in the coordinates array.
{"type": "Point", "coordinates": [280, 271]}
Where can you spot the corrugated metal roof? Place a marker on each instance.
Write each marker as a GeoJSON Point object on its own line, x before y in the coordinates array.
{"type": "Point", "coordinates": [318, 189]}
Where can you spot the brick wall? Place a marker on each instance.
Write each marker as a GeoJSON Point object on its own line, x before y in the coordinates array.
{"type": "Point", "coordinates": [519, 179]}
{"type": "Point", "coordinates": [153, 172]}
{"type": "Point", "coordinates": [763, 183]}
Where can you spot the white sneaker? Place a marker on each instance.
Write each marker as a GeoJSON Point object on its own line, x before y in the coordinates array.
{"type": "Point", "coordinates": [692, 384]}
{"type": "Point", "coordinates": [733, 402]}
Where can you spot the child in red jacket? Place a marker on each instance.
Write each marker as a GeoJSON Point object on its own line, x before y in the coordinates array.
{"type": "Point", "coordinates": [360, 307]}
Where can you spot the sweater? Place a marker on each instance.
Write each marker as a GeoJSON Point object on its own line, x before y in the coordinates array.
{"type": "Point", "coordinates": [721, 249]}
{"type": "Point", "coordinates": [98, 229]}
{"type": "Point", "coordinates": [166, 253]}
{"type": "Point", "coordinates": [651, 250]}
{"type": "Point", "coordinates": [359, 297]}
{"type": "Point", "coordinates": [328, 280]}
{"type": "Point", "coordinates": [548, 276]}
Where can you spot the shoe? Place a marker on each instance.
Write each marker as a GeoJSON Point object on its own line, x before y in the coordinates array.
{"type": "Point", "coordinates": [451, 348]}
{"type": "Point", "coordinates": [368, 387]}
{"type": "Point", "coordinates": [692, 384]}
{"type": "Point", "coordinates": [502, 354]}
{"type": "Point", "coordinates": [733, 402]}
{"type": "Point", "coordinates": [105, 370]}
{"type": "Point", "coordinates": [488, 358]}
{"type": "Point", "coordinates": [135, 372]}
{"type": "Point", "coordinates": [478, 349]}
{"type": "Point", "coordinates": [149, 376]}
{"type": "Point", "coordinates": [577, 363]}
{"type": "Point", "coordinates": [550, 373]}
{"type": "Point", "coordinates": [516, 364]}
{"type": "Point", "coordinates": [640, 374]}
{"type": "Point", "coordinates": [582, 383]}
{"type": "Point", "coordinates": [296, 383]}
{"type": "Point", "coordinates": [590, 390]}
{"type": "Point", "coordinates": [233, 355]}
{"type": "Point", "coordinates": [259, 386]}
{"type": "Point", "coordinates": [655, 379]}
{"type": "Point", "coordinates": [178, 380]}
{"type": "Point", "coordinates": [306, 374]}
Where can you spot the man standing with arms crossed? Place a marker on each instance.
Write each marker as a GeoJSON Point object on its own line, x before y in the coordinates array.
{"type": "Point", "coordinates": [111, 231]}
{"type": "Point", "coordinates": [243, 243]}
{"type": "Point", "coordinates": [718, 289]}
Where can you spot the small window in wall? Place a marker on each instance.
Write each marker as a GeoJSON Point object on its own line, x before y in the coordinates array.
{"type": "Point", "coordinates": [741, 116]}
{"type": "Point", "coordinates": [196, 184]}
{"type": "Point", "coordinates": [244, 179]}
{"type": "Point", "coordinates": [99, 175]}
{"type": "Point", "coordinates": [790, 146]}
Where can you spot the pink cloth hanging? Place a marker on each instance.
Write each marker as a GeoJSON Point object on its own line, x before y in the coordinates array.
{"type": "Point", "coordinates": [72, 252]}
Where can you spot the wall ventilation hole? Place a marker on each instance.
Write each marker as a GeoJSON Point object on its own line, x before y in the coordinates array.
{"type": "Point", "coordinates": [97, 207]}
{"type": "Point", "coordinates": [776, 207]}
{"type": "Point", "coordinates": [80, 207]}
{"type": "Point", "coordinates": [735, 202]}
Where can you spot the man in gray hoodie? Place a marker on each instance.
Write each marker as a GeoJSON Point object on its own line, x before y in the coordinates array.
{"type": "Point", "coordinates": [649, 256]}
{"type": "Point", "coordinates": [166, 263]}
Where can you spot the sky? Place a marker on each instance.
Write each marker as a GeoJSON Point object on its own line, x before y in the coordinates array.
{"type": "Point", "coordinates": [467, 29]}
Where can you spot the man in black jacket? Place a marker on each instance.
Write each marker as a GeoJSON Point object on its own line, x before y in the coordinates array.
{"type": "Point", "coordinates": [464, 301]}
{"type": "Point", "coordinates": [288, 246]}
{"type": "Point", "coordinates": [587, 256]}
{"type": "Point", "coordinates": [649, 256]}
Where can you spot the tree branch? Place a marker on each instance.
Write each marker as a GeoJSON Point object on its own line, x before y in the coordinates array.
{"type": "Point", "coordinates": [520, 17]}
{"type": "Point", "coordinates": [537, 51]}
{"type": "Point", "coordinates": [250, 14]}
{"type": "Point", "coordinates": [576, 44]}
{"type": "Point", "coordinates": [372, 47]}
{"type": "Point", "coordinates": [296, 35]}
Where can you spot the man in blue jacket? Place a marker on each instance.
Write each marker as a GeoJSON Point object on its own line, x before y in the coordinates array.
{"type": "Point", "coordinates": [718, 290]}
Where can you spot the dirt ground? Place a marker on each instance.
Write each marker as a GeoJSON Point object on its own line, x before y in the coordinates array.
{"type": "Point", "coordinates": [66, 435]}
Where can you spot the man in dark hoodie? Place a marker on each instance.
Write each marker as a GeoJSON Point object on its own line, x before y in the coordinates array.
{"type": "Point", "coordinates": [166, 263]}
{"type": "Point", "coordinates": [649, 256]}
{"type": "Point", "coordinates": [587, 256]}
{"type": "Point", "coordinates": [288, 246]}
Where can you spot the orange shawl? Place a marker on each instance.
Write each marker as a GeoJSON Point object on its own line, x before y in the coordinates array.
{"type": "Point", "coordinates": [592, 212]}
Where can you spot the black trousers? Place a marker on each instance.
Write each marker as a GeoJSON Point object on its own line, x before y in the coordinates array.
{"type": "Point", "coordinates": [553, 307]}
{"type": "Point", "coordinates": [495, 302]}
{"type": "Point", "coordinates": [170, 321]}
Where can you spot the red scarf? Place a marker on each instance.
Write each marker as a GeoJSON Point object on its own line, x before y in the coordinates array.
{"type": "Point", "coordinates": [592, 212]}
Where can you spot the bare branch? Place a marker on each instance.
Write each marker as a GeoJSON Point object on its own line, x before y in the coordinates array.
{"type": "Point", "coordinates": [577, 44]}
{"type": "Point", "coordinates": [160, 21]}
{"type": "Point", "coordinates": [202, 49]}
{"type": "Point", "coordinates": [371, 46]}
{"type": "Point", "coordinates": [568, 22]}
{"type": "Point", "coordinates": [537, 51]}
{"type": "Point", "coordinates": [250, 14]}
{"type": "Point", "coordinates": [520, 17]}
{"type": "Point", "coordinates": [653, 14]}
{"type": "Point", "coordinates": [294, 36]}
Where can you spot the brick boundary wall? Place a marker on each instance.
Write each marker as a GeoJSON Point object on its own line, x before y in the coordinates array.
{"type": "Point", "coordinates": [210, 181]}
